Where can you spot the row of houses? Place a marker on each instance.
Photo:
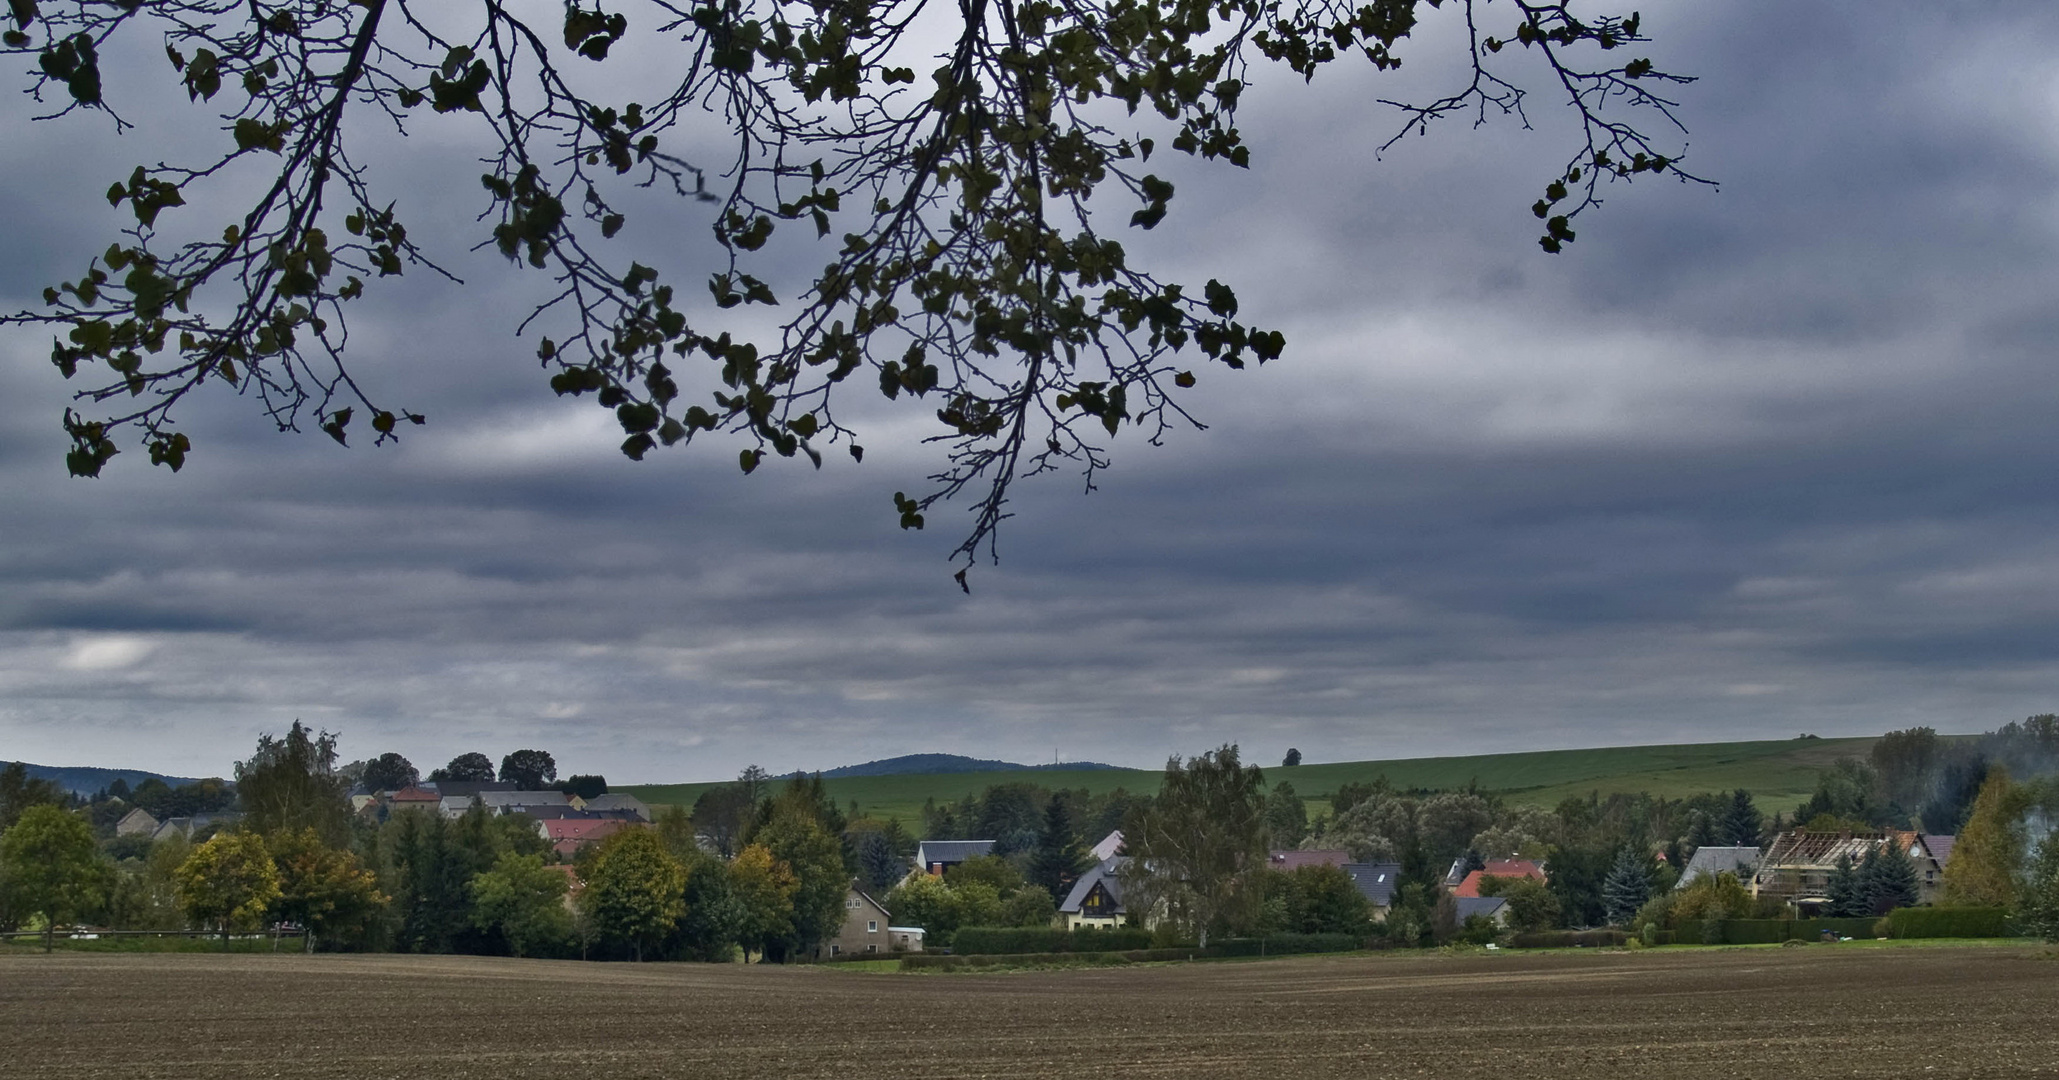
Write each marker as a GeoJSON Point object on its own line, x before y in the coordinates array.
{"type": "Point", "coordinates": [141, 822]}
{"type": "Point", "coordinates": [1096, 899]}
{"type": "Point", "coordinates": [1797, 867]}
{"type": "Point", "coordinates": [453, 799]}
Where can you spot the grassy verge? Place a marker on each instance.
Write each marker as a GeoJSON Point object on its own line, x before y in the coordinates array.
{"type": "Point", "coordinates": [154, 945]}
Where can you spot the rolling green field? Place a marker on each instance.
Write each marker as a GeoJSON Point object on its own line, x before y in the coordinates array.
{"type": "Point", "coordinates": [1779, 774]}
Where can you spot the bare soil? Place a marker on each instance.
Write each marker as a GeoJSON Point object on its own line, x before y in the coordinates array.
{"type": "Point", "coordinates": [1819, 1011]}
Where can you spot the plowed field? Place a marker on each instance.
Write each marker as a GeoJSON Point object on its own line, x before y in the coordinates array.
{"type": "Point", "coordinates": [1810, 1012]}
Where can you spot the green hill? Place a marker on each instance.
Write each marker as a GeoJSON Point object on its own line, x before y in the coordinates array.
{"type": "Point", "coordinates": [1778, 773]}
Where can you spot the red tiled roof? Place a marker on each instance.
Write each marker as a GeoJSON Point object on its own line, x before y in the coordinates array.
{"type": "Point", "coordinates": [1504, 868]}
{"type": "Point", "coordinates": [582, 828]}
{"type": "Point", "coordinates": [411, 793]}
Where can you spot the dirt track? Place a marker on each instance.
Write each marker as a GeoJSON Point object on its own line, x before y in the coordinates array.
{"type": "Point", "coordinates": [1783, 1013]}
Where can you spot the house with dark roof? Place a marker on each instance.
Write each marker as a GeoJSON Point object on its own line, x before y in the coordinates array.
{"type": "Point", "coordinates": [1494, 909]}
{"type": "Point", "coordinates": [936, 856]}
{"type": "Point", "coordinates": [614, 801]}
{"type": "Point", "coordinates": [1109, 847]}
{"type": "Point", "coordinates": [1376, 882]}
{"type": "Point", "coordinates": [1095, 901]}
{"type": "Point", "coordinates": [1711, 859]}
{"type": "Point", "coordinates": [186, 828]}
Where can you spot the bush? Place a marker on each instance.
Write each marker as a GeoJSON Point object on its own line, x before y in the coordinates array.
{"type": "Point", "coordinates": [1947, 922]}
{"type": "Point", "coordinates": [1020, 940]}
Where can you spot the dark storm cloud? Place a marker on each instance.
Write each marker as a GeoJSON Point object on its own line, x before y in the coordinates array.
{"type": "Point", "coordinates": [1740, 463]}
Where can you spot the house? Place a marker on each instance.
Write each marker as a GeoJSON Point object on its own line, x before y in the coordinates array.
{"type": "Point", "coordinates": [936, 856]}
{"type": "Point", "coordinates": [1376, 882]}
{"type": "Point", "coordinates": [1493, 908]}
{"type": "Point", "coordinates": [1797, 866]}
{"type": "Point", "coordinates": [412, 797]}
{"type": "Point", "coordinates": [1711, 859]}
{"type": "Point", "coordinates": [137, 822]}
{"type": "Point", "coordinates": [520, 802]}
{"type": "Point", "coordinates": [1109, 847]}
{"type": "Point", "coordinates": [186, 828]}
{"type": "Point", "coordinates": [1289, 860]}
{"type": "Point", "coordinates": [630, 803]}
{"type": "Point", "coordinates": [1095, 901]}
{"type": "Point", "coordinates": [454, 807]}
{"type": "Point", "coordinates": [568, 835]}
{"type": "Point", "coordinates": [1501, 868]}
{"type": "Point", "coordinates": [867, 928]}
{"type": "Point", "coordinates": [1932, 874]}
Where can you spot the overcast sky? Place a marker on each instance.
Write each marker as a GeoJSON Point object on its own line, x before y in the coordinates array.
{"type": "Point", "coordinates": [1741, 463]}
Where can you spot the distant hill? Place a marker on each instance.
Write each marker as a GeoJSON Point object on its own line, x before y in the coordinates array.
{"type": "Point", "coordinates": [929, 764]}
{"type": "Point", "coordinates": [87, 779]}
{"type": "Point", "coordinates": [1778, 773]}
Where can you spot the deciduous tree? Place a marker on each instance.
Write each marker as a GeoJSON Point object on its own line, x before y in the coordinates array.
{"type": "Point", "coordinates": [323, 889]}
{"type": "Point", "coordinates": [970, 261]}
{"type": "Point", "coordinates": [229, 882]}
{"type": "Point", "coordinates": [523, 900]}
{"type": "Point", "coordinates": [19, 791]}
{"type": "Point", "coordinates": [529, 770]}
{"type": "Point", "coordinates": [1196, 852]}
{"type": "Point", "coordinates": [1987, 858]}
{"type": "Point", "coordinates": [1286, 816]}
{"type": "Point", "coordinates": [53, 868]}
{"type": "Point", "coordinates": [2039, 905]}
{"type": "Point", "coordinates": [821, 881]}
{"type": "Point", "coordinates": [634, 890]}
{"type": "Point", "coordinates": [389, 772]}
{"type": "Point", "coordinates": [764, 891]}
{"type": "Point", "coordinates": [290, 783]}
{"type": "Point", "coordinates": [474, 766]}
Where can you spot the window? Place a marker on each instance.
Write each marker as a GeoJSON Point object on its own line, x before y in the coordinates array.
{"type": "Point", "coordinates": [871, 948]}
{"type": "Point", "coordinates": [853, 903]}
{"type": "Point", "coordinates": [872, 926]}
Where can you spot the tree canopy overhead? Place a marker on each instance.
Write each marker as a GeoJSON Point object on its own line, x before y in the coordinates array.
{"type": "Point", "coordinates": [969, 174]}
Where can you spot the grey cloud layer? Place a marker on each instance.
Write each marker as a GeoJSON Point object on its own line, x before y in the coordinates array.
{"type": "Point", "coordinates": [1740, 463]}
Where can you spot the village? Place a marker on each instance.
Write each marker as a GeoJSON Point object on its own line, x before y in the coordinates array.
{"type": "Point", "coordinates": [1220, 861]}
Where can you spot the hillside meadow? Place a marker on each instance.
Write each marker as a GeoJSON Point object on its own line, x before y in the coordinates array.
{"type": "Point", "coordinates": [1779, 773]}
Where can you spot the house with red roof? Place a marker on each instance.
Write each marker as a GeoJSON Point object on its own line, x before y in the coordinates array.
{"type": "Point", "coordinates": [1469, 887]}
{"type": "Point", "coordinates": [568, 835]}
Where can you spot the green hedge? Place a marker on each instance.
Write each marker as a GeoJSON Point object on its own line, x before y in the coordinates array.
{"type": "Point", "coordinates": [1766, 931]}
{"type": "Point", "coordinates": [1022, 940]}
{"type": "Point", "coordinates": [1948, 922]}
{"type": "Point", "coordinates": [1566, 939]}
{"type": "Point", "coordinates": [1284, 944]}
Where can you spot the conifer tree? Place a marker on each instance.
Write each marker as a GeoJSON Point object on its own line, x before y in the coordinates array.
{"type": "Point", "coordinates": [1626, 888]}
